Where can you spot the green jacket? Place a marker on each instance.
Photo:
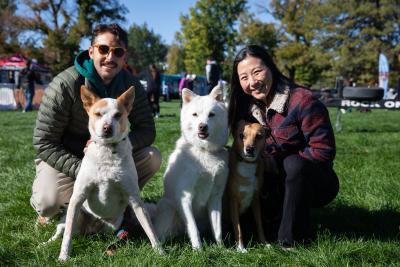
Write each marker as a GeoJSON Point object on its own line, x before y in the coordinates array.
{"type": "Point", "coordinates": [61, 130]}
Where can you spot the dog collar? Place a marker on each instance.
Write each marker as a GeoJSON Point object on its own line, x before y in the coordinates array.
{"type": "Point", "coordinates": [113, 145]}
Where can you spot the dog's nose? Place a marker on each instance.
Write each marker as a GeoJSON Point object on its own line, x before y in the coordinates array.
{"type": "Point", "coordinates": [203, 127]}
{"type": "Point", "coordinates": [250, 150]}
{"type": "Point", "coordinates": [107, 129]}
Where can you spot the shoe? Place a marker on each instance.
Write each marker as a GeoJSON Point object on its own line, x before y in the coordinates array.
{"type": "Point", "coordinates": [42, 221]}
{"type": "Point", "coordinates": [122, 237]}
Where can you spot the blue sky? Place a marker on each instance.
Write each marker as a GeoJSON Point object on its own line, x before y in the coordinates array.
{"type": "Point", "coordinates": [162, 16]}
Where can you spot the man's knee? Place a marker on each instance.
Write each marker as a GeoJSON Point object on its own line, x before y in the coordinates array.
{"type": "Point", "coordinates": [148, 162]}
{"type": "Point", "coordinates": [155, 159]}
{"type": "Point", "coordinates": [51, 190]}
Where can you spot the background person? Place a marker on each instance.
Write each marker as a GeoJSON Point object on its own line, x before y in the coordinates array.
{"type": "Point", "coordinates": [153, 79]}
{"type": "Point", "coordinates": [27, 79]}
{"type": "Point", "coordinates": [300, 150]}
{"type": "Point", "coordinates": [61, 130]}
{"type": "Point", "coordinates": [213, 74]}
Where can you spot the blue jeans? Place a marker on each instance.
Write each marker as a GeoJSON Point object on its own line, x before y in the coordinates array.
{"type": "Point", "coordinates": [29, 94]}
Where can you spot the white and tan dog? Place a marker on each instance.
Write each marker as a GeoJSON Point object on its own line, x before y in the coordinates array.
{"type": "Point", "coordinates": [195, 179]}
{"type": "Point", "coordinates": [107, 181]}
{"type": "Point", "coordinates": [246, 177]}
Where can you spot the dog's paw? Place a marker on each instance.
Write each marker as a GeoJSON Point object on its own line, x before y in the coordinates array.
{"type": "Point", "coordinates": [241, 249]}
{"type": "Point", "coordinates": [63, 257]}
{"type": "Point", "coordinates": [45, 243]}
{"type": "Point", "coordinates": [197, 247]}
{"type": "Point", "coordinates": [160, 250]}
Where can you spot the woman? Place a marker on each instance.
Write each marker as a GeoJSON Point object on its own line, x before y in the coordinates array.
{"type": "Point", "coordinates": [300, 150]}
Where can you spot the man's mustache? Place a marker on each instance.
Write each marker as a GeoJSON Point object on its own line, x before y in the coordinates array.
{"type": "Point", "coordinates": [109, 63]}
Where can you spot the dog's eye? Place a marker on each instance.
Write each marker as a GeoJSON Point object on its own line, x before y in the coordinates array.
{"type": "Point", "coordinates": [241, 136]}
{"type": "Point", "coordinates": [194, 114]}
{"type": "Point", "coordinates": [258, 136]}
{"type": "Point", "coordinates": [117, 115]}
{"type": "Point", "coordinates": [211, 114]}
{"type": "Point", "coordinates": [97, 114]}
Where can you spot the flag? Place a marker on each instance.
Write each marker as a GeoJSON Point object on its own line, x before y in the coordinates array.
{"type": "Point", "coordinates": [383, 73]}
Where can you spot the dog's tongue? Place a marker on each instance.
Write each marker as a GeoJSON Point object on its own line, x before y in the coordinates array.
{"type": "Point", "coordinates": [202, 135]}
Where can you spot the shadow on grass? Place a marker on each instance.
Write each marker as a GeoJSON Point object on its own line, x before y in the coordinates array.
{"type": "Point", "coordinates": [168, 115]}
{"type": "Point", "coordinates": [356, 222]}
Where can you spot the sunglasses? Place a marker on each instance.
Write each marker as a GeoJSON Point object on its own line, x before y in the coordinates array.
{"type": "Point", "coordinates": [105, 50]}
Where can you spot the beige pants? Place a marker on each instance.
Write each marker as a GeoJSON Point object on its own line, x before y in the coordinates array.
{"type": "Point", "coordinates": [51, 189]}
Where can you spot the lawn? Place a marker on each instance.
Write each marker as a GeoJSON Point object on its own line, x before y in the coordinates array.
{"type": "Point", "coordinates": [360, 228]}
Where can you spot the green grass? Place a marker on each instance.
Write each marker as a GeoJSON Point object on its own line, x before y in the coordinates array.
{"type": "Point", "coordinates": [360, 228]}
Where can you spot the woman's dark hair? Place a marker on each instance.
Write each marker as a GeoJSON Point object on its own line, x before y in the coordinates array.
{"type": "Point", "coordinates": [120, 34]}
{"type": "Point", "coordinates": [239, 101]}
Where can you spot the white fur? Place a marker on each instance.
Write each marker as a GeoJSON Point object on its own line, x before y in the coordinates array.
{"type": "Point", "coordinates": [197, 171]}
{"type": "Point", "coordinates": [107, 181]}
{"type": "Point", "coordinates": [248, 170]}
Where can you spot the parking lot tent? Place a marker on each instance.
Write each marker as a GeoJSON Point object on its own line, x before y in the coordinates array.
{"type": "Point", "coordinates": [10, 67]}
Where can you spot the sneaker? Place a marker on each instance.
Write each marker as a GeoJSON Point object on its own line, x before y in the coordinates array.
{"type": "Point", "coordinates": [42, 221]}
{"type": "Point", "coordinates": [122, 237]}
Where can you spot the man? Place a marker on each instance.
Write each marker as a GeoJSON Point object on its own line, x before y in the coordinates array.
{"type": "Point", "coordinates": [61, 130]}
{"type": "Point", "coordinates": [213, 74]}
{"type": "Point", "coordinates": [30, 77]}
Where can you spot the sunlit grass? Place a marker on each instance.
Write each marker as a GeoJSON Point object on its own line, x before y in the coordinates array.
{"type": "Point", "coordinates": [360, 228]}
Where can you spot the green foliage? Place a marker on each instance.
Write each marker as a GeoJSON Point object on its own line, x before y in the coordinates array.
{"type": "Point", "coordinates": [254, 31]}
{"type": "Point", "coordinates": [295, 53]}
{"type": "Point", "coordinates": [209, 30]}
{"type": "Point", "coordinates": [324, 39]}
{"type": "Point", "coordinates": [145, 47]}
{"type": "Point", "coordinates": [68, 22]}
{"type": "Point", "coordinates": [9, 29]}
{"type": "Point", "coordinates": [355, 32]}
{"type": "Point", "coordinates": [175, 59]}
{"type": "Point", "coordinates": [360, 227]}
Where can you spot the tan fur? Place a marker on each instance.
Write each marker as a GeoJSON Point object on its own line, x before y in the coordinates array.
{"type": "Point", "coordinates": [246, 177]}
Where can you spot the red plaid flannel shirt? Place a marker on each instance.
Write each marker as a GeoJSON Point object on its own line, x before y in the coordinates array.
{"type": "Point", "coordinates": [299, 123]}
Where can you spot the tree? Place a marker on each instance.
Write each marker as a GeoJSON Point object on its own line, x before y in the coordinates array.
{"type": "Point", "coordinates": [62, 24]}
{"type": "Point", "coordinates": [297, 51]}
{"type": "Point", "coordinates": [9, 29]}
{"type": "Point", "coordinates": [145, 47]}
{"type": "Point", "coordinates": [254, 31]}
{"type": "Point", "coordinates": [355, 32]}
{"type": "Point", "coordinates": [175, 56]}
{"type": "Point", "coordinates": [209, 30]}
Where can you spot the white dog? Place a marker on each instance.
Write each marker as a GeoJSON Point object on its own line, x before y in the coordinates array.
{"type": "Point", "coordinates": [107, 180]}
{"type": "Point", "coordinates": [197, 171]}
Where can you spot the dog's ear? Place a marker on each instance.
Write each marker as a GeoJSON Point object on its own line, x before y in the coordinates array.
{"type": "Point", "coordinates": [187, 95]}
{"type": "Point", "coordinates": [88, 98]}
{"type": "Point", "coordinates": [217, 93]}
{"type": "Point", "coordinates": [126, 99]}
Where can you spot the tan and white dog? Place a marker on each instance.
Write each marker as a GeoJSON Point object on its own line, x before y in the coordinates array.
{"type": "Point", "coordinates": [246, 177]}
{"type": "Point", "coordinates": [107, 181]}
{"type": "Point", "coordinates": [197, 171]}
